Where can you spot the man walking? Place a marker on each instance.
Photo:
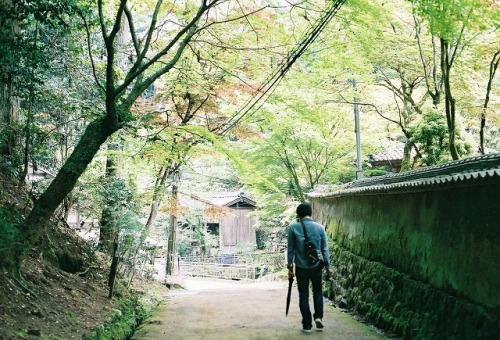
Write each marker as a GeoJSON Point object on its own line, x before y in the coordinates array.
{"type": "Point", "coordinates": [305, 271]}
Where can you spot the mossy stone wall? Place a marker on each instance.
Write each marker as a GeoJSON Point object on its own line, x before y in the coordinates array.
{"type": "Point", "coordinates": [410, 308]}
{"type": "Point", "coordinates": [446, 239]}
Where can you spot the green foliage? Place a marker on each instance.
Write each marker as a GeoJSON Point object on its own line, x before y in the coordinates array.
{"type": "Point", "coordinates": [301, 144]}
{"type": "Point", "coordinates": [40, 65]}
{"type": "Point", "coordinates": [300, 137]}
{"type": "Point", "coordinates": [120, 218]}
{"type": "Point", "coordinates": [204, 239]}
{"type": "Point", "coordinates": [195, 232]}
{"type": "Point", "coordinates": [22, 334]}
{"type": "Point", "coordinates": [51, 12]}
{"type": "Point", "coordinates": [9, 235]}
{"type": "Point", "coordinates": [431, 135]}
{"type": "Point", "coordinates": [117, 196]}
{"type": "Point", "coordinates": [8, 169]}
{"type": "Point", "coordinates": [245, 248]}
{"type": "Point", "coordinates": [374, 172]}
{"type": "Point", "coordinates": [447, 17]}
{"type": "Point", "coordinates": [129, 228]}
{"type": "Point", "coordinates": [247, 171]}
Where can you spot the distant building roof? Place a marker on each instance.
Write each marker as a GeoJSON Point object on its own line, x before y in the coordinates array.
{"type": "Point", "coordinates": [392, 157]}
{"type": "Point", "coordinates": [393, 153]}
{"type": "Point", "coordinates": [230, 198]}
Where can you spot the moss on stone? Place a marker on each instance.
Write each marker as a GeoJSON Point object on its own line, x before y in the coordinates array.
{"type": "Point", "coordinates": [398, 303]}
{"type": "Point", "coordinates": [121, 324]}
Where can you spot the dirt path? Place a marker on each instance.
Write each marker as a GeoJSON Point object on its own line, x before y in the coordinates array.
{"type": "Point", "coordinates": [217, 309]}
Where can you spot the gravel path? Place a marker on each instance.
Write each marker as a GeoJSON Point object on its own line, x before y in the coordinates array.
{"type": "Point", "coordinates": [217, 309]}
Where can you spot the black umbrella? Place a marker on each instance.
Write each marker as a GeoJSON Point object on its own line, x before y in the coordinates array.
{"type": "Point", "coordinates": [290, 281]}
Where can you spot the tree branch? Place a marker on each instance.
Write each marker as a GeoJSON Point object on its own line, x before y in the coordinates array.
{"type": "Point", "coordinates": [118, 22]}
{"type": "Point", "coordinates": [89, 48]}
{"type": "Point", "coordinates": [101, 20]}
{"type": "Point", "coordinates": [189, 30]}
{"type": "Point", "coordinates": [421, 52]}
{"type": "Point", "coordinates": [133, 34]}
{"type": "Point", "coordinates": [365, 104]}
{"type": "Point", "coordinates": [147, 43]}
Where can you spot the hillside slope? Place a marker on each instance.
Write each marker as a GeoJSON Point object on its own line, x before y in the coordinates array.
{"type": "Point", "coordinates": [63, 291]}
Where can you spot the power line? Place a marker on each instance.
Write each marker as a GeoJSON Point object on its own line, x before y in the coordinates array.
{"type": "Point", "coordinates": [256, 102]}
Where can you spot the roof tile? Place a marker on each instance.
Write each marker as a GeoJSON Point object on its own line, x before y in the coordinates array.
{"type": "Point", "coordinates": [471, 170]}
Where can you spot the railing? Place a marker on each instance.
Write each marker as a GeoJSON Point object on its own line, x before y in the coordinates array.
{"type": "Point", "coordinates": [231, 266]}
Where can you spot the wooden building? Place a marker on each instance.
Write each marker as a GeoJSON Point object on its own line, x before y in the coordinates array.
{"type": "Point", "coordinates": [234, 224]}
{"type": "Point", "coordinates": [390, 158]}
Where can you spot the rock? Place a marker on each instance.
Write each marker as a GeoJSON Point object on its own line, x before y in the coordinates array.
{"type": "Point", "coordinates": [343, 303]}
{"type": "Point", "coordinates": [36, 313]}
{"type": "Point", "coordinates": [35, 332]}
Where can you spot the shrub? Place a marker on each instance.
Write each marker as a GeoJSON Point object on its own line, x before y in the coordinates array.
{"type": "Point", "coordinates": [9, 236]}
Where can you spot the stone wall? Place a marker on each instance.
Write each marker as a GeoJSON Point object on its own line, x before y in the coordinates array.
{"type": "Point", "coordinates": [419, 253]}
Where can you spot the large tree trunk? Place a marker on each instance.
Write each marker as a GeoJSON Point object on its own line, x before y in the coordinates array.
{"type": "Point", "coordinates": [107, 224]}
{"type": "Point", "coordinates": [107, 230]}
{"type": "Point", "coordinates": [95, 135]}
{"type": "Point", "coordinates": [9, 101]}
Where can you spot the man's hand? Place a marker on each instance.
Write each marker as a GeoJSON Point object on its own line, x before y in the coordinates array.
{"type": "Point", "coordinates": [329, 272]}
{"type": "Point", "coordinates": [290, 273]}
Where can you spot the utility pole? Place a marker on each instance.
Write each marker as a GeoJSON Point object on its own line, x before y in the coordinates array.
{"type": "Point", "coordinates": [173, 224]}
{"type": "Point", "coordinates": [359, 169]}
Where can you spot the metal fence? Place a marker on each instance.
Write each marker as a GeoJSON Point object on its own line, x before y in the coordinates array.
{"type": "Point", "coordinates": [231, 266]}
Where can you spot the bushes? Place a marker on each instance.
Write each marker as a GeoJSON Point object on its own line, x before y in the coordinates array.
{"type": "Point", "coordinates": [9, 236]}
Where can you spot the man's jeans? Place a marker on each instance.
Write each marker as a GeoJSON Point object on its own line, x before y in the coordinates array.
{"type": "Point", "coordinates": [305, 275]}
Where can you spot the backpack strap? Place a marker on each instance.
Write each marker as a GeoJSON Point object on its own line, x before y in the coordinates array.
{"type": "Point", "coordinates": [304, 228]}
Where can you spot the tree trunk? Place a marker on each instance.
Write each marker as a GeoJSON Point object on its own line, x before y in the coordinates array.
{"type": "Point", "coordinates": [173, 226]}
{"type": "Point", "coordinates": [113, 270]}
{"type": "Point", "coordinates": [406, 161]}
{"type": "Point", "coordinates": [107, 225]}
{"type": "Point", "coordinates": [9, 101]}
{"type": "Point", "coordinates": [449, 100]}
{"type": "Point", "coordinates": [94, 136]}
{"type": "Point", "coordinates": [27, 139]}
{"type": "Point", "coordinates": [157, 196]}
{"type": "Point", "coordinates": [9, 106]}
{"type": "Point", "coordinates": [493, 68]}
{"type": "Point", "coordinates": [68, 205]}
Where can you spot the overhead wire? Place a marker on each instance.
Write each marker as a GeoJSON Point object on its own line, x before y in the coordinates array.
{"type": "Point", "coordinates": [265, 90]}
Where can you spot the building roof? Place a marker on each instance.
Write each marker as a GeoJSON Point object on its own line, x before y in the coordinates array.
{"type": "Point", "coordinates": [467, 171]}
{"type": "Point", "coordinates": [227, 199]}
{"type": "Point", "coordinates": [393, 153]}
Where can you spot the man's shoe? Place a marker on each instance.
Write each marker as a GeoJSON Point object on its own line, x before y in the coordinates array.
{"type": "Point", "coordinates": [306, 330]}
{"type": "Point", "coordinates": [319, 323]}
